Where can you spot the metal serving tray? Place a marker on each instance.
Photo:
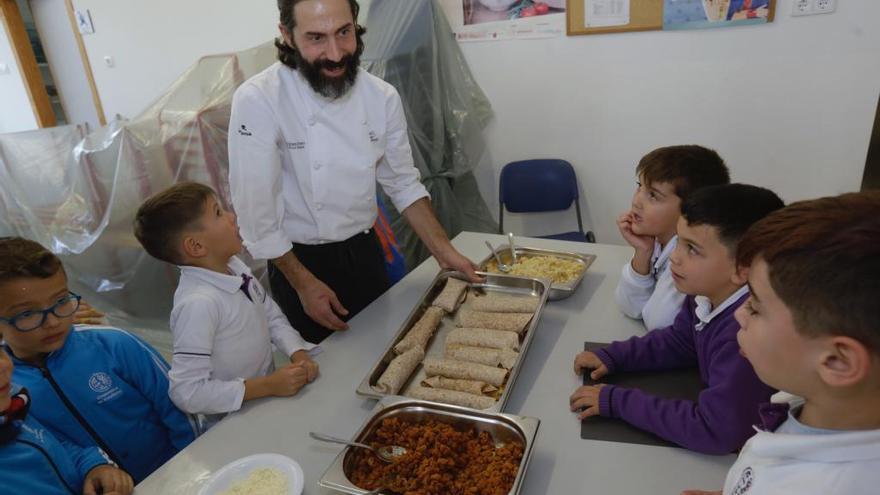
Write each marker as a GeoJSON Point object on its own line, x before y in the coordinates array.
{"type": "Point", "coordinates": [502, 427]}
{"type": "Point", "coordinates": [521, 286]}
{"type": "Point", "coordinates": [557, 291]}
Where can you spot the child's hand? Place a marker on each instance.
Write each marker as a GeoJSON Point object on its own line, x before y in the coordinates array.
{"type": "Point", "coordinates": [588, 360]}
{"type": "Point", "coordinates": [86, 314]}
{"type": "Point", "coordinates": [107, 480]}
{"type": "Point", "coordinates": [303, 359]}
{"type": "Point", "coordinates": [586, 400]}
{"type": "Point", "coordinates": [288, 380]}
{"type": "Point", "coordinates": [643, 243]}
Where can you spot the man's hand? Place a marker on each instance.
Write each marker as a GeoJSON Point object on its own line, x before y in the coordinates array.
{"type": "Point", "coordinates": [107, 480]}
{"type": "Point", "coordinates": [321, 305]}
{"type": "Point", "coordinates": [639, 242]}
{"type": "Point", "coordinates": [454, 260]}
{"type": "Point", "coordinates": [586, 400]}
{"type": "Point", "coordinates": [588, 360]}
{"type": "Point", "coordinates": [302, 358]}
{"type": "Point", "coordinates": [288, 380]}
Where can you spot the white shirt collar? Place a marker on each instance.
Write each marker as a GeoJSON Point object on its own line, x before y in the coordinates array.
{"type": "Point", "coordinates": [704, 311]}
{"type": "Point", "coordinates": [661, 256]}
{"type": "Point", "coordinates": [230, 283]}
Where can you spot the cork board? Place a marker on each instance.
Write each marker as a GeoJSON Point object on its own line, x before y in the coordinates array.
{"type": "Point", "coordinates": [645, 15]}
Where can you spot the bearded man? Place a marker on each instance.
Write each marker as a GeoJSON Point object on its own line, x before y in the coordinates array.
{"type": "Point", "coordinates": [309, 137]}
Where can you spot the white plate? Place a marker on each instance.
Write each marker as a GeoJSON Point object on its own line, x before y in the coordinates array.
{"type": "Point", "coordinates": [239, 470]}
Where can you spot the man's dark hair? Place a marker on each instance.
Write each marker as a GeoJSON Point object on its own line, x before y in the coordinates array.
{"type": "Point", "coordinates": [23, 258]}
{"type": "Point", "coordinates": [288, 55]}
{"type": "Point", "coordinates": [163, 218]}
{"type": "Point", "coordinates": [730, 208]}
{"type": "Point", "coordinates": [687, 167]}
{"type": "Point", "coordinates": [823, 258]}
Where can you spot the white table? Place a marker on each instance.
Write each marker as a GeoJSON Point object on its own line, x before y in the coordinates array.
{"type": "Point", "coordinates": [562, 463]}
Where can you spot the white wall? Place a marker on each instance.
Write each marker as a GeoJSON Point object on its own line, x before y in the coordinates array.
{"type": "Point", "coordinates": [789, 105]}
{"type": "Point", "coordinates": [16, 113]}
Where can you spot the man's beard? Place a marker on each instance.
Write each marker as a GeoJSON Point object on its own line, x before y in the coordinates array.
{"type": "Point", "coordinates": [329, 87]}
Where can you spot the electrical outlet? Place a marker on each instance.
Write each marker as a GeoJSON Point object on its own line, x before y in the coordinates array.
{"type": "Point", "coordinates": [802, 7]}
{"type": "Point", "coordinates": [824, 6]}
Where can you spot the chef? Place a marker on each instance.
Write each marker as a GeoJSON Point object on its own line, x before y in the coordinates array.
{"type": "Point", "coordinates": [309, 137]}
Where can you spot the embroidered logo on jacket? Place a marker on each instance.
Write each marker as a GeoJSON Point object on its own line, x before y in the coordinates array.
{"type": "Point", "coordinates": [299, 145]}
{"type": "Point", "coordinates": [746, 480]}
{"type": "Point", "coordinates": [100, 382]}
{"type": "Point", "coordinates": [243, 130]}
{"type": "Point", "coordinates": [373, 137]}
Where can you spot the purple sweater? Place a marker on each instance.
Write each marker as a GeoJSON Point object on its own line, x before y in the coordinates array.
{"type": "Point", "coordinates": [721, 420]}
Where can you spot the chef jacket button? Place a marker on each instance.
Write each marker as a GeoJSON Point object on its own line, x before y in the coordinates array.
{"type": "Point", "coordinates": [319, 206]}
{"type": "Point", "coordinates": [313, 120]}
{"type": "Point", "coordinates": [317, 165]}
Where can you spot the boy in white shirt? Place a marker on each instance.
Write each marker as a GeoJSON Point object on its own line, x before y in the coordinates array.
{"type": "Point", "coordinates": [666, 177]}
{"type": "Point", "coordinates": [224, 323]}
{"type": "Point", "coordinates": [812, 328]}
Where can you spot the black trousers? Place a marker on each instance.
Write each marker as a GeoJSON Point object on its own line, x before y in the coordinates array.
{"type": "Point", "coordinates": [354, 269]}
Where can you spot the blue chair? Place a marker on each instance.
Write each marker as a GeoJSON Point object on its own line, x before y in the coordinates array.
{"type": "Point", "coordinates": [541, 185]}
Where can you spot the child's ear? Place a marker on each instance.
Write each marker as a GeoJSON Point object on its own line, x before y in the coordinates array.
{"type": "Point", "coordinates": [193, 247]}
{"type": "Point", "coordinates": [740, 276]}
{"type": "Point", "coordinates": [844, 362]}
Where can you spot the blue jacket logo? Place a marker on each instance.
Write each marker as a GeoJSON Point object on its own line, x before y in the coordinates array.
{"type": "Point", "coordinates": [100, 382]}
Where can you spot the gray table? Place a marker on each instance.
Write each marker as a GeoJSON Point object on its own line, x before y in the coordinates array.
{"type": "Point", "coordinates": [562, 463]}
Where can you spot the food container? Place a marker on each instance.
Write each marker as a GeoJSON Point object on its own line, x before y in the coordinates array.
{"type": "Point", "coordinates": [503, 428]}
{"type": "Point", "coordinates": [557, 291]}
{"type": "Point", "coordinates": [518, 286]}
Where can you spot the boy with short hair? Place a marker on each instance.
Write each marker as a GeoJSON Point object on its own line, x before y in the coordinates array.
{"type": "Point", "coordinates": [812, 328]}
{"type": "Point", "coordinates": [93, 386]}
{"type": "Point", "coordinates": [34, 461]}
{"type": "Point", "coordinates": [224, 323]}
{"type": "Point", "coordinates": [703, 335]}
{"type": "Point", "coordinates": [666, 177]}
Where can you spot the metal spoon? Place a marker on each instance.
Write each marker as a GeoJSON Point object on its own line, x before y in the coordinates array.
{"type": "Point", "coordinates": [512, 249]}
{"type": "Point", "coordinates": [387, 453]}
{"type": "Point", "coordinates": [501, 266]}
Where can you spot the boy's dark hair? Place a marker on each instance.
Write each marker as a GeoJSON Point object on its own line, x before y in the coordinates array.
{"type": "Point", "coordinates": [286, 53]}
{"type": "Point", "coordinates": [823, 256]}
{"type": "Point", "coordinates": [730, 208]}
{"type": "Point", "coordinates": [687, 167]}
{"type": "Point", "coordinates": [23, 258]}
{"type": "Point", "coordinates": [162, 218]}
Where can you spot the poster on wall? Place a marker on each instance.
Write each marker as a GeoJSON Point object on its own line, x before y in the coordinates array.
{"type": "Point", "coordinates": [698, 14]}
{"type": "Point", "coordinates": [489, 20]}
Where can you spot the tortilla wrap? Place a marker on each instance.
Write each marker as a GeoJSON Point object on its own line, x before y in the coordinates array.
{"type": "Point", "coordinates": [482, 355]}
{"type": "Point", "coordinates": [450, 295]}
{"type": "Point", "coordinates": [463, 399]}
{"type": "Point", "coordinates": [398, 370]}
{"type": "Point", "coordinates": [470, 386]}
{"type": "Point", "coordinates": [482, 337]}
{"type": "Point", "coordinates": [511, 322]}
{"type": "Point", "coordinates": [421, 332]}
{"type": "Point", "coordinates": [504, 303]}
{"type": "Point", "coordinates": [451, 368]}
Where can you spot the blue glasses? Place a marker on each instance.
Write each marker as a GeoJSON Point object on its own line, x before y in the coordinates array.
{"type": "Point", "coordinates": [34, 319]}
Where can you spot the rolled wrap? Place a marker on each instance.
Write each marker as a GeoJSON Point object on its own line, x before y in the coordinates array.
{"type": "Point", "coordinates": [470, 386]}
{"type": "Point", "coordinates": [503, 303]}
{"type": "Point", "coordinates": [451, 368]}
{"type": "Point", "coordinates": [481, 337]}
{"type": "Point", "coordinates": [463, 399]}
{"type": "Point", "coordinates": [450, 295]}
{"type": "Point", "coordinates": [398, 370]}
{"type": "Point", "coordinates": [511, 322]}
{"type": "Point", "coordinates": [482, 355]}
{"type": "Point", "coordinates": [421, 332]}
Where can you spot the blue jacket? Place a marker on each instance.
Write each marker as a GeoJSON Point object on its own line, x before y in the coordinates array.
{"type": "Point", "coordinates": [107, 388]}
{"type": "Point", "coordinates": [38, 462]}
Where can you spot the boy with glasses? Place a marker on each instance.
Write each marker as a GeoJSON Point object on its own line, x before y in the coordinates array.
{"type": "Point", "coordinates": [94, 387]}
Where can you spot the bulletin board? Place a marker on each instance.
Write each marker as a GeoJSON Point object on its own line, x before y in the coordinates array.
{"type": "Point", "coordinates": [649, 15]}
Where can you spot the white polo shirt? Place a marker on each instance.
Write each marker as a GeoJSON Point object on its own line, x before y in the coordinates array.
{"type": "Point", "coordinates": [652, 297]}
{"type": "Point", "coordinates": [222, 337]}
{"type": "Point", "coordinates": [303, 168]}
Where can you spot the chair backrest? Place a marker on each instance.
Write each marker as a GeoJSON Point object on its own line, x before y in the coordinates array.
{"type": "Point", "coordinates": [537, 185]}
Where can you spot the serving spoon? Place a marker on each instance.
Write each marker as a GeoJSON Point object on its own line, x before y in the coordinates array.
{"type": "Point", "coordinates": [501, 266]}
{"type": "Point", "coordinates": [387, 453]}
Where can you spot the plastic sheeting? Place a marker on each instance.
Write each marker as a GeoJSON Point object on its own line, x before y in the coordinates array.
{"type": "Point", "coordinates": [78, 194]}
{"type": "Point", "coordinates": [410, 44]}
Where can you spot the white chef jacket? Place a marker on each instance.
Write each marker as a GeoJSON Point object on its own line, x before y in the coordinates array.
{"type": "Point", "coordinates": [221, 338]}
{"type": "Point", "coordinates": [303, 168]}
{"type": "Point", "coordinates": [652, 297]}
{"type": "Point", "coordinates": [801, 463]}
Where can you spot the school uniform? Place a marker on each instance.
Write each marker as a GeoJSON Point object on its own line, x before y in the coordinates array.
{"type": "Point", "coordinates": [302, 175]}
{"type": "Point", "coordinates": [35, 461]}
{"type": "Point", "coordinates": [786, 457]}
{"type": "Point", "coordinates": [107, 388]}
{"type": "Point", "coordinates": [652, 297]}
{"type": "Point", "coordinates": [224, 326]}
{"type": "Point", "coordinates": [721, 420]}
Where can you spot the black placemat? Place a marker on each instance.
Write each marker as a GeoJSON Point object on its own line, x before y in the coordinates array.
{"type": "Point", "coordinates": [669, 384]}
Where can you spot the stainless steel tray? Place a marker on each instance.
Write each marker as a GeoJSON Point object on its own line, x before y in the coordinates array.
{"type": "Point", "coordinates": [502, 428]}
{"type": "Point", "coordinates": [525, 287]}
{"type": "Point", "coordinates": [557, 291]}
